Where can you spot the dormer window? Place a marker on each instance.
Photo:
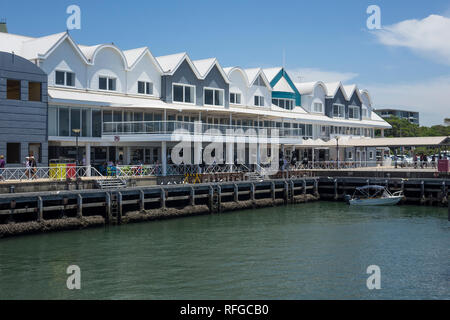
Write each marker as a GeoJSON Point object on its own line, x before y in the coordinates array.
{"type": "Point", "coordinates": [107, 83]}
{"type": "Point", "coordinates": [353, 112]}
{"type": "Point", "coordinates": [259, 101]}
{"type": "Point", "coordinates": [235, 98]}
{"type": "Point", "coordinates": [318, 107]}
{"type": "Point", "coordinates": [65, 78]}
{"type": "Point", "coordinates": [284, 103]}
{"type": "Point", "coordinates": [183, 93]}
{"type": "Point", "coordinates": [364, 112]}
{"type": "Point", "coordinates": [213, 97]}
{"type": "Point", "coordinates": [145, 88]}
{"type": "Point", "coordinates": [338, 110]}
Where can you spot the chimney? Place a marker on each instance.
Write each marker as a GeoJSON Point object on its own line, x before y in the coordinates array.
{"type": "Point", "coordinates": [3, 27]}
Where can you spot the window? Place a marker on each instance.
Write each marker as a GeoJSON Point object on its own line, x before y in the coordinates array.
{"type": "Point", "coordinates": [64, 78]}
{"type": "Point", "coordinates": [371, 155]}
{"type": "Point", "coordinates": [364, 112]}
{"type": "Point", "coordinates": [13, 153]}
{"type": "Point", "coordinates": [183, 93]}
{"type": "Point", "coordinates": [235, 98]}
{"type": "Point", "coordinates": [214, 97]}
{"type": "Point", "coordinates": [259, 101]}
{"type": "Point", "coordinates": [34, 91]}
{"type": "Point", "coordinates": [64, 125]}
{"type": "Point", "coordinates": [107, 83]}
{"type": "Point", "coordinates": [13, 89]}
{"type": "Point", "coordinates": [34, 149]}
{"type": "Point", "coordinates": [338, 111]}
{"type": "Point", "coordinates": [350, 155]}
{"type": "Point", "coordinates": [318, 107]}
{"type": "Point", "coordinates": [353, 112]}
{"type": "Point", "coordinates": [145, 87]}
{"type": "Point", "coordinates": [284, 103]}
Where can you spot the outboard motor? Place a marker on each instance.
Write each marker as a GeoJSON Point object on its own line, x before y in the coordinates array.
{"type": "Point", "coordinates": [347, 198]}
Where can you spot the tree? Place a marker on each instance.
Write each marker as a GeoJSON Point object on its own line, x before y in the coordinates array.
{"type": "Point", "coordinates": [404, 128]}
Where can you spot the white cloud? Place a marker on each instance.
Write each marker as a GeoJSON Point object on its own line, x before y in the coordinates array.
{"type": "Point", "coordinates": [313, 74]}
{"type": "Point", "coordinates": [430, 97]}
{"type": "Point", "coordinates": [429, 37]}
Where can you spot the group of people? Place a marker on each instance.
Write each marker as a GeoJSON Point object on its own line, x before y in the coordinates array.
{"type": "Point", "coordinates": [30, 166]}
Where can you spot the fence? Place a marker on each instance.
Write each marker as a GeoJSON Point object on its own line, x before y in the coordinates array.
{"type": "Point", "coordinates": [54, 173]}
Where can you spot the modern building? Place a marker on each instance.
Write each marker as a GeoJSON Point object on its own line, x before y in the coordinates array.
{"type": "Point", "coordinates": [126, 104]}
{"type": "Point", "coordinates": [23, 110]}
{"type": "Point", "coordinates": [411, 116]}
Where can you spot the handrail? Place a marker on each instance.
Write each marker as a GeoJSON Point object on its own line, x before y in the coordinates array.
{"type": "Point", "coordinates": [53, 173]}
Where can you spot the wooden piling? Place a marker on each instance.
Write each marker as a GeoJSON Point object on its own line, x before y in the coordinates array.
{"type": "Point", "coordinates": [40, 217]}
{"type": "Point", "coordinates": [141, 200]}
{"type": "Point", "coordinates": [236, 193]}
{"type": "Point", "coordinates": [119, 207]}
{"type": "Point", "coordinates": [162, 199]}
{"type": "Point", "coordinates": [192, 197]}
{"type": "Point", "coordinates": [79, 206]}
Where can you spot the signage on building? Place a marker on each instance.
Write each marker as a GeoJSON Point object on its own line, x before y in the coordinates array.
{"type": "Point", "coordinates": [116, 138]}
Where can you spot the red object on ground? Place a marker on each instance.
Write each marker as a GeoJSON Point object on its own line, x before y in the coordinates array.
{"type": "Point", "coordinates": [71, 170]}
{"type": "Point", "coordinates": [443, 165]}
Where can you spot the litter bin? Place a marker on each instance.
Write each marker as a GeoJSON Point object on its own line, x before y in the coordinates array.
{"type": "Point", "coordinates": [71, 170]}
{"type": "Point", "coordinates": [443, 165]}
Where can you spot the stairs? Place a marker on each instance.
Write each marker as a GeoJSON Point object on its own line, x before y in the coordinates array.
{"type": "Point", "coordinates": [114, 183]}
{"type": "Point", "coordinates": [254, 176]}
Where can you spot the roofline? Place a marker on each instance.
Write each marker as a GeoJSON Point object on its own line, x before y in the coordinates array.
{"type": "Point", "coordinates": [141, 56]}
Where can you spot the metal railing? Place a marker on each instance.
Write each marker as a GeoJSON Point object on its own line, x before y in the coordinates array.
{"type": "Point", "coordinates": [53, 173]}
{"type": "Point", "coordinates": [168, 127]}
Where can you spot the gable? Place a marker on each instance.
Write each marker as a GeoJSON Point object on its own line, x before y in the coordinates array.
{"type": "Point", "coordinates": [283, 85]}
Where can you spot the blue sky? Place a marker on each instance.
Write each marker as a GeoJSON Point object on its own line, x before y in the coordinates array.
{"type": "Point", "coordinates": [327, 39]}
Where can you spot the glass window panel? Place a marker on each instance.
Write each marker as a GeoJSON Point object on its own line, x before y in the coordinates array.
{"type": "Point", "coordinates": [86, 122]}
{"type": "Point", "coordinates": [141, 87]}
{"type": "Point", "coordinates": [218, 98]}
{"type": "Point", "coordinates": [70, 79]}
{"type": "Point", "coordinates": [64, 122]}
{"type": "Point", "coordinates": [112, 84]}
{"type": "Point", "coordinates": [209, 96]}
{"type": "Point", "coordinates": [75, 119]}
{"type": "Point", "coordinates": [34, 91]}
{"type": "Point", "coordinates": [232, 97]}
{"type": "Point", "coordinates": [148, 116]}
{"type": "Point", "coordinates": [96, 123]}
{"type": "Point", "coordinates": [107, 116]}
{"type": "Point", "coordinates": [102, 83]}
{"type": "Point", "coordinates": [52, 121]}
{"type": "Point", "coordinates": [178, 93]}
{"type": "Point", "coordinates": [149, 88]}
{"type": "Point", "coordinates": [188, 94]}
{"type": "Point", "coordinates": [238, 98]}
{"type": "Point", "coordinates": [117, 116]}
{"type": "Point", "coordinates": [59, 78]}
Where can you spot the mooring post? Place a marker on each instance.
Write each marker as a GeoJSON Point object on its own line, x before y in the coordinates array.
{"type": "Point", "coordinates": [316, 187]}
{"type": "Point", "coordinates": [286, 192]}
{"type": "Point", "coordinates": [142, 200]}
{"type": "Point", "coordinates": [448, 203]}
{"type": "Point", "coordinates": [292, 191]}
{"type": "Point", "coordinates": [162, 198]}
{"type": "Point", "coordinates": [272, 190]}
{"type": "Point", "coordinates": [79, 206]}
{"type": "Point", "coordinates": [210, 198]}
{"type": "Point", "coordinates": [192, 197]}
{"type": "Point", "coordinates": [422, 192]}
{"type": "Point", "coordinates": [304, 188]}
{"type": "Point", "coordinates": [252, 192]}
{"type": "Point", "coordinates": [336, 196]}
{"type": "Point", "coordinates": [443, 196]}
{"type": "Point", "coordinates": [40, 209]}
{"type": "Point", "coordinates": [219, 198]}
{"type": "Point", "coordinates": [120, 207]}
{"type": "Point", "coordinates": [236, 193]}
{"type": "Point", "coordinates": [108, 206]}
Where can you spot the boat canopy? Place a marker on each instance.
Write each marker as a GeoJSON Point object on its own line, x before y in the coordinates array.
{"type": "Point", "coordinates": [373, 187]}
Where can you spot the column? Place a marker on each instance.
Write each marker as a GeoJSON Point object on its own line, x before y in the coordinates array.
{"type": "Point", "coordinates": [164, 157]}
{"type": "Point", "coordinates": [88, 159]}
{"type": "Point", "coordinates": [382, 133]}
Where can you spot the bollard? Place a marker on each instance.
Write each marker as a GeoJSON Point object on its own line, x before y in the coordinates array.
{"type": "Point", "coordinates": [336, 195]}
{"type": "Point", "coordinates": [316, 187]}
{"type": "Point", "coordinates": [286, 192]}
{"type": "Point", "coordinates": [79, 206]}
{"type": "Point", "coordinates": [210, 198]}
{"type": "Point", "coordinates": [292, 185]}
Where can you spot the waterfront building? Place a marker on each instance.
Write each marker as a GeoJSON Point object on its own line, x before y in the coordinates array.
{"type": "Point", "coordinates": [23, 110]}
{"type": "Point", "coordinates": [411, 116]}
{"type": "Point", "coordinates": [126, 104]}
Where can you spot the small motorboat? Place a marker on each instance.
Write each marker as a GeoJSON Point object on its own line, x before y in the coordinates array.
{"type": "Point", "coordinates": [374, 195]}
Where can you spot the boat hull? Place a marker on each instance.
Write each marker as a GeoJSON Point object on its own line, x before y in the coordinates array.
{"type": "Point", "coordinates": [391, 201]}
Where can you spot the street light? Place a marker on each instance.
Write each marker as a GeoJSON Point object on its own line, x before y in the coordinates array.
{"type": "Point", "coordinates": [337, 151]}
{"type": "Point", "coordinates": [77, 134]}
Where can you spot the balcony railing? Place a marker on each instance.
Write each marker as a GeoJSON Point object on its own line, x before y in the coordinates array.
{"type": "Point", "coordinates": [168, 127]}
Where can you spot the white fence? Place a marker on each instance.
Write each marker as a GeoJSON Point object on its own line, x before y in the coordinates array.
{"type": "Point", "coordinates": [54, 173]}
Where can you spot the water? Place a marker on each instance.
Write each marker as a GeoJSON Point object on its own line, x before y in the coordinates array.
{"type": "Point", "coordinates": [317, 250]}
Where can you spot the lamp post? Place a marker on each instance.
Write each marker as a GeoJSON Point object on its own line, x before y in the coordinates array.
{"type": "Point", "coordinates": [77, 134]}
{"type": "Point", "coordinates": [337, 151]}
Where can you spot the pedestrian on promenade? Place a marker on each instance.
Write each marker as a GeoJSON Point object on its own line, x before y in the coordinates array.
{"type": "Point", "coordinates": [2, 166]}
{"type": "Point", "coordinates": [33, 166]}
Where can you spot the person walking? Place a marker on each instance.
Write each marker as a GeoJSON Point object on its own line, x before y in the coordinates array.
{"type": "Point", "coordinates": [2, 166]}
{"type": "Point", "coordinates": [33, 166]}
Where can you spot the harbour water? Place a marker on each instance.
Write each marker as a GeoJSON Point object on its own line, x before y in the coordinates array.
{"type": "Point", "coordinates": [317, 250]}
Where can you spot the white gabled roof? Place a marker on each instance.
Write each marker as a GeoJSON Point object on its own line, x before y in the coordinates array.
{"type": "Point", "coordinates": [332, 88]}
{"type": "Point", "coordinates": [12, 42]}
{"type": "Point", "coordinates": [305, 88]}
{"type": "Point", "coordinates": [253, 74]}
{"type": "Point", "coordinates": [34, 48]}
{"type": "Point", "coordinates": [89, 51]}
{"type": "Point", "coordinates": [204, 66]}
{"type": "Point", "coordinates": [283, 85]}
{"type": "Point", "coordinates": [170, 62]}
{"type": "Point", "coordinates": [271, 72]}
{"type": "Point", "coordinates": [133, 55]}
